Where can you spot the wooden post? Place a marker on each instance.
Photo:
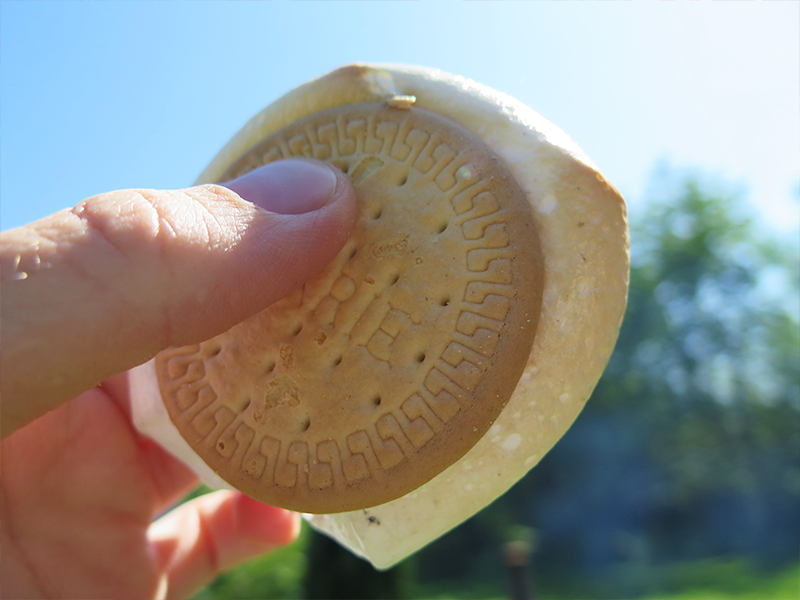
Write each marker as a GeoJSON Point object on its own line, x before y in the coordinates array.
{"type": "Point", "coordinates": [516, 556]}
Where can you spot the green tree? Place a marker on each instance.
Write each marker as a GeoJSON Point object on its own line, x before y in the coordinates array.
{"type": "Point", "coordinates": [711, 342]}
{"type": "Point", "coordinates": [690, 446]}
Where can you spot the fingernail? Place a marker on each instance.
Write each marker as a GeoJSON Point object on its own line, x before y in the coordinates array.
{"type": "Point", "coordinates": [289, 187]}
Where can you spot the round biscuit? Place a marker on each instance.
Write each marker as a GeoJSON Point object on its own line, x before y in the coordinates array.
{"type": "Point", "coordinates": [387, 367]}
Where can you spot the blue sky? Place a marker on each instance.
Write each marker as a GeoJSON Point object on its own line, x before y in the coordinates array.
{"type": "Point", "coordinates": [100, 96]}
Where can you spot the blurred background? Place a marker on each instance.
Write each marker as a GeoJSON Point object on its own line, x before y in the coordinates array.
{"type": "Point", "coordinates": [681, 478]}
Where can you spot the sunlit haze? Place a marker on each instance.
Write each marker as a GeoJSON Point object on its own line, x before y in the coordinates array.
{"type": "Point", "coordinates": [99, 96]}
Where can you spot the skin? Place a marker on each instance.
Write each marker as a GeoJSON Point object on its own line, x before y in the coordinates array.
{"type": "Point", "coordinates": [93, 291]}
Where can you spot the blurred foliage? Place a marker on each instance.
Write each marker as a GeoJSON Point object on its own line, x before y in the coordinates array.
{"type": "Point", "coordinates": [681, 477]}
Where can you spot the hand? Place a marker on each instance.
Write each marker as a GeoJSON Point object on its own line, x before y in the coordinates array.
{"type": "Point", "coordinates": [90, 292]}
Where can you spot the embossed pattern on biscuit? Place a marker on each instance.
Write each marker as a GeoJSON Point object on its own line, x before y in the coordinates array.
{"type": "Point", "coordinates": [388, 366]}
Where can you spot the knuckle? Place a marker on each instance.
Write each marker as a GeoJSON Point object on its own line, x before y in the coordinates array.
{"type": "Point", "coordinates": [123, 221]}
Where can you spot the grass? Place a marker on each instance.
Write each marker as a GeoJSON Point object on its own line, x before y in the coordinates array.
{"type": "Point", "coordinates": [717, 579]}
{"type": "Point", "coordinates": [739, 581]}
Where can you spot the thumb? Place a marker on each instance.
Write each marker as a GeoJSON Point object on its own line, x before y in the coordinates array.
{"type": "Point", "coordinates": [94, 290]}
